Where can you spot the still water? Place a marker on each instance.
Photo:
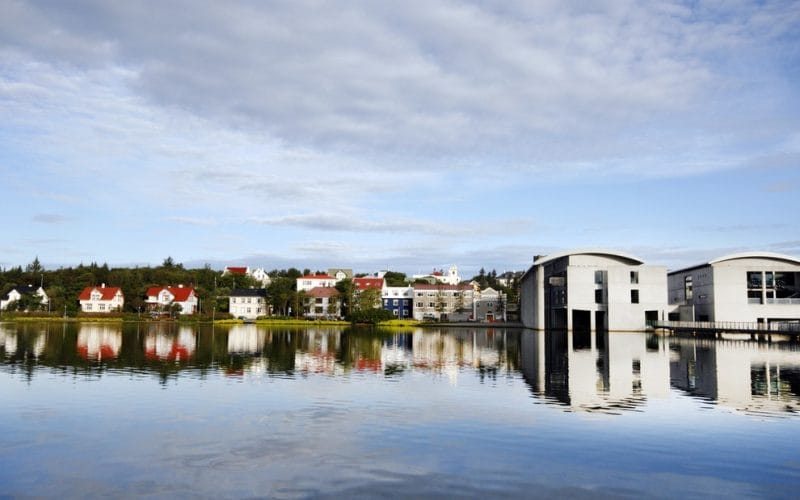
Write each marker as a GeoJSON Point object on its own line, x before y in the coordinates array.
{"type": "Point", "coordinates": [167, 411]}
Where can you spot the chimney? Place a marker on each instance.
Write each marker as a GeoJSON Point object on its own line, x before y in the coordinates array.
{"type": "Point", "coordinates": [102, 285]}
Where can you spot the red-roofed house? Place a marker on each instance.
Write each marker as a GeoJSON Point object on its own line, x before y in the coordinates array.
{"type": "Point", "coordinates": [258, 274]}
{"type": "Point", "coordinates": [319, 280]}
{"type": "Point", "coordinates": [159, 297]}
{"type": "Point", "coordinates": [322, 302]}
{"type": "Point", "coordinates": [369, 284]}
{"type": "Point", "coordinates": [101, 299]}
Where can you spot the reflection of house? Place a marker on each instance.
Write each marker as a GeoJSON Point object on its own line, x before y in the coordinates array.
{"type": "Point", "coordinates": [450, 302]}
{"type": "Point", "coordinates": [163, 346]}
{"type": "Point", "coordinates": [8, 340]}
{"type": "Point", "coordinates": [24, 291]}
{"type": "Point", "coordinates": [99, 342]}
{"type": "Point", "coordinates": [246, 339]}
{"type": "Point", "coordinates": [399, 300]}
{"type": "Point", "coordinates": [248, 303]}
{"type": "Point", "coordinates": [101, 299]}
{"type": "Point", "coordinates": [322, 302]}
{"type": "Point", "coordinates": [162, 297]}
{"type": "Point", "coordinates": [257, 274]}
{"type": "Point", "coordinates": [592, 289]}
{"type": "Point", "coordinates": [315, 281]}
{"type": "Point", "coordinates": [746, 287]}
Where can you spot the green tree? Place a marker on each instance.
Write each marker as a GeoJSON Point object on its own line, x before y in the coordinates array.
{"type": "Point", "coordinates": [347, 291]}
{"type": "Point", "coordinates": [394, 278]}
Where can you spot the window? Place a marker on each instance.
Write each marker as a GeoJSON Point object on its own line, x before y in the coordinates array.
{"type": "Point", "coordinates": [420, 304]}
{"type": "Point", "coordinates": [430, 304]}
{"type": "Point", "coordinates": [634, 296]}
{"type": "Point", "coordinates": [88, 307]}
{"type": "Point", "coordinates": [394, 302]}
{"type": "Point", "coordinates": [754, 297]}
{"type": "Point", "coordinates": [687, 287]}
{"type": "Point", "coordinates": [598, 277]}
{"type": "Point", "coordinates": [634, 277]}
{"type": "Point", "coordinates": [394, 311]}
{"type": "Point", "coordinates": [598, 296]}
{"type": "Point", "coordinates": [754, 279]}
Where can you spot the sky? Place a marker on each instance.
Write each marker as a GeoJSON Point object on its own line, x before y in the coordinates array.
{"type": "Point", "coordinates": [396, 135]}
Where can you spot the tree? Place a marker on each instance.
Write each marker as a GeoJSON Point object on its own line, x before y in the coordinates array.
{"type": "Point", "coordinates": [368, 299]}
{"type": "Point", "coordinates": [34, 267]}
{"type": "Point", "coordinates": [394, 278]}
{"type": "Point", "coordinates": [440, 303]}
{"type": "Point", "coordinates": [346, 290]}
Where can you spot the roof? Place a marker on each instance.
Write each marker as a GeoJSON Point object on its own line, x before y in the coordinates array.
{"type": "Point", "coordinates": [249, 292]}
{"type": "Point", "coordinates": [22, 290]}
{"type": "Point", "coordinates": [743, 255]}
{"type": "Point", "coordinates": [181, 293]}
{"type": "Point", "coordinates": [319, 292]}
{"type": "Point", "coordinates": [632, 260]}
{"type": "Point", "coordinates": [317, 277]}
{"type": "Point", "coordinates": [368, 283]}
{"type": "Point", "coordinates": [107, 292]}
{"type": "Point", "coordinates": [236, 270]}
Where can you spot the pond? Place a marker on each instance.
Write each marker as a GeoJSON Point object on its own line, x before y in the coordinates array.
{"type": "Point", "coordinates": [165, 411]}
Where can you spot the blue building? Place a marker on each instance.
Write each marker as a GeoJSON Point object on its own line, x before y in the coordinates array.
{"type": "Point", "coordinates": [399, 300]}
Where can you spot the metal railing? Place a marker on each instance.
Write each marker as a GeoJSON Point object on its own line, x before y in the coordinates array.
{"type": "Point", "coordinates": [730, 326]}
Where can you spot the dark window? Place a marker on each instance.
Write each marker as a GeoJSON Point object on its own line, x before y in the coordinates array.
{"type": "Point", "coordinates": [598, 296]}
{"type": "Point", "coordinates": [687, 287]}
{"type": "Point", "coordinates": [634, 296]}
{"type": "Point", "coordinates": [634, 277]}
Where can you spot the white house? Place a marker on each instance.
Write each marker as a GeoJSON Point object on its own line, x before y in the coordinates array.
{"type": "Point", "coordinates": [248, 303]}
{"type": "Point", "coordinates": [101, 299]}
{"type": "Point", "coordinates": [450, 278]}
{"type": "Point", "coordinates": [258, 274]}
{"type": "Point", "coordinates": [159, 297]}
{"type": "Point", "coordinates": [308, 282]}
{"type": "Point", "coordinates": [16, 294]}
{"type": "Point", "coordinates": [753, 287]}
{"type": "Point", "coordinates": [592, 289]}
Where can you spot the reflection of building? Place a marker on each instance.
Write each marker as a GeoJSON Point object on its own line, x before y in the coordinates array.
{"type": "Point", "coordinates": [747, 376]}
{"type": "Point", "coordinates": [318, 354]}
{"type": "Point", "coordinates": [160, 345]}
{"type": "Point", "coordinates": [747, 287]}
{"type": "Point", "coordinates": [248, 303]}
{"type": "Point", "coordinates": [592, 289]}
{"type": "Point", "coordinates": [101, 299]}
{"type": "Point", "coordinates": [596, 371]}
{"type": "Point", "coordinates": [8, 340]}
{"type": "Point", "coordinates": [245, 339]}
{"type": "Point", "coordinates": [99, 341]}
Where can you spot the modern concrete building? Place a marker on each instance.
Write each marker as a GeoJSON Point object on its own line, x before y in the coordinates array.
{"type": "Point", "coordinates": [594, 289]}
{"type": "Point", "coordinates": [753, 287]}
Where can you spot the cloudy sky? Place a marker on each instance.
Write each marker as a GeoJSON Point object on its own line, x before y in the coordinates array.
{"type": "Point", "coordinates": [407, 135]}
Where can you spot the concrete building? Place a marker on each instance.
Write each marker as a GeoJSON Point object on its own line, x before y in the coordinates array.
{"type": "Point", "coordinates": [489, 305]}
{"type": "Point", "coordinates": [248, 303]}
{"type": "Point", "coordinates": [753, 287]}
{"type": "Point", "coordinates": [443, 302]}
{"type": "Point", "coordinates": [592, 289]}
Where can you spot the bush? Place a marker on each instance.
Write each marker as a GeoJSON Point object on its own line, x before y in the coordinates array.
{"type": "Point", "coordinates": [371, 316]}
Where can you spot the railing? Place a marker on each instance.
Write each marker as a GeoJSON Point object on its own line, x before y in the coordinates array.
{"type": "Point", "coordinates": [730, 326]}
{"type": "Point", "coordinates": [784, 301]}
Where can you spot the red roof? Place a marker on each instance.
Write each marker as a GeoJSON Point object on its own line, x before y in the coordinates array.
{"type": "Point", "coordinates": [320, 292]}
{"type": "Point", "coordinates": [368, 283]}
{"type": "Point", "coordinates": [317, 277]}
{"type": "Point", "coordinates": [181, 294]}
{"type": "Point", "coordinates": [236, 270]}
{"type": "Point", "coordinates": [108, 292]}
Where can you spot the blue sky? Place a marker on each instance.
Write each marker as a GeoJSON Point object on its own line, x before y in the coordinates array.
{"type": "Point", "coordinates": [408, 136]}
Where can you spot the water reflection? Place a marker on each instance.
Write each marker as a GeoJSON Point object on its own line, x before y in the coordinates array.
{"type": "Point", "coordinates": [99, 342]}
{"type": "Point", "coordinates": [580, 371]}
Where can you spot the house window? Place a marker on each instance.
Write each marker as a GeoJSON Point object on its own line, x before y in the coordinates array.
{"type": "Point", "coordinates": [430, 304]}
{"type": "Point", "coordinates": [634, 277]}
{"type": "Point", "coordinates": [420, 304]}
{"type": "Point", "coordinates": [687, 287]}
{"type": "Point", "coordinates": [88, 307]}
{"type": "Point", "coordinates": [394, 302]}
{"type": "Point", "coordinates": [394, 311]}
{"type": "Point", "coordinates": [634, 296]}
{"type": "Point", "coordinates": [598, 296]}
{"type": "Point", "coordinates": [598, 277]}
